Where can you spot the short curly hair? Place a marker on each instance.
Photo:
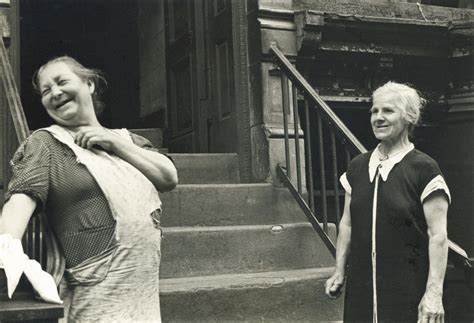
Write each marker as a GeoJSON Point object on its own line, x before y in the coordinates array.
{"type": "Point", "coordinates": [406, 98]}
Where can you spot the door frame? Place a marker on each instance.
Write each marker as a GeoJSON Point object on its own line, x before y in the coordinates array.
{"type": "Point", "coordinates": [244, 105]}
{"type": "Point", "coordinates": [9, 142]}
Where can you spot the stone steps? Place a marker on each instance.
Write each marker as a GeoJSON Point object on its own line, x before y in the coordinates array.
{"type": "Point", "coordinates": [200, 251]}
{"type": "Point", "coordinates": [207, 168]}
{"type": "Point", "coordinates": [229, 204]}
{"type": "Point", "coordinates": [239, 252]}
{"type": "Point", "coordinates": [276, 296]}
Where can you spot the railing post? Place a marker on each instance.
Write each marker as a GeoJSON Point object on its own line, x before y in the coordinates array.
{"type": "Point", "coordinates": [309, 160]}
{"type": "Point", "coordinates": [286, 103]}
{"type": "Point", "coordinates": [297, 138]}
{"type": "Point", "coordinates": [347, 155]}
{"type": "Point", "coordinates": [335, 179]}
{"type": "Point", "coordinates": [322, 173]}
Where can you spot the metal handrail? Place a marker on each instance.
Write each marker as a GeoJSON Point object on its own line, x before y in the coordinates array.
{"type": "Point", "coordinates": [337, 127]}
{"type": "Point", "coordinates": [309, 214]}
{"type": "Point", "coordinates": [13, 98]}
{"type": "Point", "coordinates": [303, 85]}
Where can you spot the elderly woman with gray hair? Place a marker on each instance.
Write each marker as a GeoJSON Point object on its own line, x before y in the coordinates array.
{"type": "Point", "coordinates": [392, 246]}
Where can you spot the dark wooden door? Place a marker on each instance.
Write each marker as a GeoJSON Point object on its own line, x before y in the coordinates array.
{"type": "Point", "coordinates": [182, 77]}
{"type": "Point", "coordinates": [200, 76]}
{"type": "Point", "coordinates": [222, 125]}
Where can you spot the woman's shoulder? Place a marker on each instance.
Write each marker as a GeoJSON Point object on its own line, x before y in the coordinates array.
{"type": "Point", "coordinates": [36, 148]}
{"type": "Point", "coordinates": [42, 139]}
{"type": "Point", "coordinates": [362, 159]}
{"type": "Point", "coordinates": [359, 164]}
{"type": "Point", "coordinates": [41, 135]}
{"type": "Point", "coordinates": [41, 142]}
{"type": "Point", "coordinates": [422, 166]}
{"type": "Point", "coordinates": [419, 158]}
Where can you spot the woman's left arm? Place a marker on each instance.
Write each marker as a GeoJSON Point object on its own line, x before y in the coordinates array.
{"type": "Point", "coordinates": [435, 208]}
{"type": "Point", "coordinates": [158, 168]}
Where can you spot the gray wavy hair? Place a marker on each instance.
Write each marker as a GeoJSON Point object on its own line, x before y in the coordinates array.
{"type": "Point", "coordinates": [406, 98]}
{"type": "Point", "coordinates": [92, 75]}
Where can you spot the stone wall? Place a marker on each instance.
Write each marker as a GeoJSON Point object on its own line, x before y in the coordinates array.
{"type": "Point", "coordinates": [452, 146]}
{"type": "Point", "coordinates": [152, 63]}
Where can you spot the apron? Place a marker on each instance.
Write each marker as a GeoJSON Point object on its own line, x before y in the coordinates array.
{"type": "Point", "coordinates": [122, 283]}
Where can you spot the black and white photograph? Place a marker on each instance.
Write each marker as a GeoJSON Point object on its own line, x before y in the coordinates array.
{"type": "Point", "coordinates": [236, 161]}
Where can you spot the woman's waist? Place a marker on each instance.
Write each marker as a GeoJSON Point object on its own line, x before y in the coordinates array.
{"type": "Point", "coordinates": [121, 260]}
{"type": "Point", "coordinates": [81, 243]}
{"type": "Point", "coordinates": [389, 251]}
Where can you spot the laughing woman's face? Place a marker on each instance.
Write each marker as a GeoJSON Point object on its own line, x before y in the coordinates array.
{"type": "Point", "coordinates": [66, 97]}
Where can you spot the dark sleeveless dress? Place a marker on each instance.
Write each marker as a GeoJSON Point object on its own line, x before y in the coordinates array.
{"type": "Point", "coordinates": [402, 261]}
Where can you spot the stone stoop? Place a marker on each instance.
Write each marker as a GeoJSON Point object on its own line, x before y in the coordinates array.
{"type": "Point", "coordinates": [279, 296]}
{"type": "Point", "coordinates": [200, 251]}
{"type": "Point", "coordinates": [239, 252]}
{"type": "Point", "coordinates": [207, 168]}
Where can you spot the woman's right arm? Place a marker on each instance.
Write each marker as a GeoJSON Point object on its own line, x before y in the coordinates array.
{"type": "Point", "coordinates": [334, 284]}
{"type": "Point", "coordinates": [16, 214]}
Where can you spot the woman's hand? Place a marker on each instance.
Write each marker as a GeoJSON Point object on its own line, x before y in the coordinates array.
{"type": "Point", "coordinates": [87, 137]}
{"type": "Point", "coordinates": [431, 306]}
{"type": "Point", "coordinates": [334, 285]}
{"type": "Point", "coordinates": [158, 168]}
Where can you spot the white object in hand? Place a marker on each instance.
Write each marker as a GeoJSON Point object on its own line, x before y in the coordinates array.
{"type": "Point", "coordinates": [12, 260]}
{"type": "Point", "coordinates": [15, 263]}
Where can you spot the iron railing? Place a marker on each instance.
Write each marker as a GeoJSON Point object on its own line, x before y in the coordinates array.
{"type": "Point", "coordinates": [298, 96]}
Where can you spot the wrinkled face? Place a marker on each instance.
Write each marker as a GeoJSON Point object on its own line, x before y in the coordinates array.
{"type": "Point", "coordinates": [387, 120]}
{"type": "Point", "coordinates": [66, 97]}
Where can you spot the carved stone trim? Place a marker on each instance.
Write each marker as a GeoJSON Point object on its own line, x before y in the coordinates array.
{"type": "Point", "coordinates": [276, 131]}
{"type": "Point", "coordinates": [318, 30]}
{"type": "Point", "coordinates": [461, 102]}
{"type": "Point", "coordinates": [4, 25]}
{"type": "Point", "coordinates": [461, 34]}
{"type": "Point", "coordinates": [241, 81]}
{"type": "Point", "coordinates": [308, 29]}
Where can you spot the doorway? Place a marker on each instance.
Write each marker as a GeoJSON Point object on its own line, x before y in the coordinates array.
{"type": "Point", "coordinates": [99, 34]}
{"type": "Point", "coordinates": [200, 68]}
{"type": "Point", "coordinates": [168, 64]}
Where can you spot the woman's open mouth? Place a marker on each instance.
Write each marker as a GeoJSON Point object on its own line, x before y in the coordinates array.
{"type": "Point", "coordinates": [61, 104]}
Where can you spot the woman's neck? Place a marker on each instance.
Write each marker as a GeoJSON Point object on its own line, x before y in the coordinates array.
{"type": "Point", "coordinates": [77, 127]}
{"type": "Point", "coordinates": [388, 148]}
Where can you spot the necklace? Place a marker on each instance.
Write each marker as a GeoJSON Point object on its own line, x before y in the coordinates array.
{"type": "Point", "coordinates": [384, 157]}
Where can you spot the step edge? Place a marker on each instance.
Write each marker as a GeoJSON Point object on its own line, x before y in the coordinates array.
{"type": "Point", "coordinates": [242, 281]}
{"type": "Point", "coordinates": [198, 155]}
{"type": "Point", "coordinates": [221, 185]}
{"type": "Point", "coordinates": [249, 227]}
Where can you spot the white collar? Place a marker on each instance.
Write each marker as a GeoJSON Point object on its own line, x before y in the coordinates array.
{"type": "Point", "coordinates": [386, 165]}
